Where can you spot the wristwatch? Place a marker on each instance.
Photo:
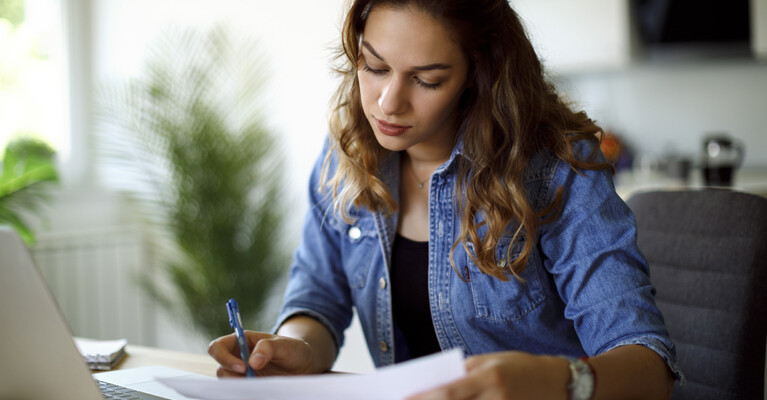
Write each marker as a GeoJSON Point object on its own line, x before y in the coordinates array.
{"type": "Point", "coordinates": [581, 384]}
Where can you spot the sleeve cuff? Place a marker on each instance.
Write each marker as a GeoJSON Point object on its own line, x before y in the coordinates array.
{"type": "Point", "coordinates": [658, 347]}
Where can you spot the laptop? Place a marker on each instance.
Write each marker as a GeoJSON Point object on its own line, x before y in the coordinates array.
{"type": "Point", "coordinates": [38, 358]}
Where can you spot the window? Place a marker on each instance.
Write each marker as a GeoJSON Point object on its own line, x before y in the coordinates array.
{"type": "Point", "coordinates": [32, 73]}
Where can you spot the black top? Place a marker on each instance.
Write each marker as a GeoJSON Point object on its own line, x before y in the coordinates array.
{"type": "Point", "coordinates": [410, 296]}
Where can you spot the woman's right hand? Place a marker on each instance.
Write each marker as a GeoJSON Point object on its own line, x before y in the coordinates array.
{"type": "Point", "coordinates": [269, 355]}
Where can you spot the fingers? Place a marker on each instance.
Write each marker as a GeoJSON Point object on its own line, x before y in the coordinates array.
{"type": "Point", "coordinates": [284, 355]}
{"type": "Point", "coordinates": [270, 355]}
{"type": "Point", "coordinates": [262, 354]}
{"type": "Point", "coordinates": [469, 387]}
{"type": "Point", "coordinates": [253, 337]}
{"type": "Point", "coordinates": [483, 380]}
{"type": "Point", "coordinates": [478, 362]}
{"type": "Point", "coordinates": [222, 372]}
{"type": "Point", "coordinates": [274, 349]}
{"type": "Point", "coordinates": [224, 350]}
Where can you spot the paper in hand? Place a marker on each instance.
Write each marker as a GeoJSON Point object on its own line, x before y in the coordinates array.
{"type": "Point", "coordinates": [389, 383]}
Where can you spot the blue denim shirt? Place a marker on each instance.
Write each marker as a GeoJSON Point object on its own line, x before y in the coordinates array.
{"type": "Point", "coordinates": [586, 286]}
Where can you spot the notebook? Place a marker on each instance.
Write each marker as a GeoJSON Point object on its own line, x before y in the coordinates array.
{"type": "Point", "coordinates": [101, 355]}
{"type": "Point", "coordinates": [38, 358]}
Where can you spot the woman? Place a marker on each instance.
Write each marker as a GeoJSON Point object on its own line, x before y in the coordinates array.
{"type": "Point", "coordinates": [460, 203]}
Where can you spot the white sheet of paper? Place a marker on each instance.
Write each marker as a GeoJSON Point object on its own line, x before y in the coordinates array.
{"type": "Point", "coordinates": [389, 383]}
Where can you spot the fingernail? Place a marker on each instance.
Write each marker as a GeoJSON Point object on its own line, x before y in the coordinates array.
{"type": "Point", "coordinates": [239, 368]}
{"type": "Point", "coordinates": [258, 360]}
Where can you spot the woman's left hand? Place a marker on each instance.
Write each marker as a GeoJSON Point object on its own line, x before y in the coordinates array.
{"type": "Point", "coordinates": [507, 375]}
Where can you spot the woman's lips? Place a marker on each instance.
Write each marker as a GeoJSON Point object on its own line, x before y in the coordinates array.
{"type": "Point", "coordinates": [389, 129]}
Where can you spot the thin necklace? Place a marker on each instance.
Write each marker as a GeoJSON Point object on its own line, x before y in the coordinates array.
{"type": "Point", "coordinates": [412, 171]}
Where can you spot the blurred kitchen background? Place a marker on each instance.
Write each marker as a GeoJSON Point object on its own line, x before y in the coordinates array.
{"type": "Point", "coordinates": [660, 77]}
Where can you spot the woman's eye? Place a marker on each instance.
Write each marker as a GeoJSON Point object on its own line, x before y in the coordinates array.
{"type": "Point", "coordinates": [418, 81]}
{"type": "Point", "coordinates": [427, 85]}
{"type": "Point", "coordinates": [367, 68]}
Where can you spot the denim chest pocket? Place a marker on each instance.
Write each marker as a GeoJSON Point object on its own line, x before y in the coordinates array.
{"type": "Point", "coordinates": [358, 243]}
{"type": "Point", "coordinates": [507, 300]}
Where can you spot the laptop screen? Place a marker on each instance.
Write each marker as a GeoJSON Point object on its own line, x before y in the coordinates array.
{"type": "Point", "coordinates": [38, 359]}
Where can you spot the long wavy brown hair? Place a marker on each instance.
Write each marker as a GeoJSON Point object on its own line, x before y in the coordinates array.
{"type": "Point", "coordinates": [509, 113]}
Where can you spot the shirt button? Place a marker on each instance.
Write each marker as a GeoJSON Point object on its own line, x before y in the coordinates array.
{"type": "Point", "coordinates": [383, 346]}
{"type": "Point", "coordinates": [501, 263]}
{"type": "Point", "coordinates": [382, 284]}
{"type": "Point", "coordinates": [354, 233]}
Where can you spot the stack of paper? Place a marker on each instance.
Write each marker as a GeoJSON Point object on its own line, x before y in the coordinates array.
{"type": "Point", "coordinates": [388, 383]}
{"type": "Point", "coordinates": [101, 355]}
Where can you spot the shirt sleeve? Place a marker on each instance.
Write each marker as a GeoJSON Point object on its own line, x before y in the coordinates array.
{"type": "Point", "coordinates": [599, 271]}
{"type": "Point", "coordinates": [317, 286]}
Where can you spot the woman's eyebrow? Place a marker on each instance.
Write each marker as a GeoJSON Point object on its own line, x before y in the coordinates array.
{"type": "Point", "coordinates": [428, 67]}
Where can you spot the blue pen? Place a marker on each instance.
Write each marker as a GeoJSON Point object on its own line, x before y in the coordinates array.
{"type": "Point", "coordinates": [236, 322]}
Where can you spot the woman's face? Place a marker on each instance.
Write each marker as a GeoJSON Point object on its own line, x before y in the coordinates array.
{"type": "Point", "coordinates": [411, 75]}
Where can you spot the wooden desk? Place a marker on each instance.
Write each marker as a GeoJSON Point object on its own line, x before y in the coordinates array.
{"type": "Point", "coordinates": [141, 356]}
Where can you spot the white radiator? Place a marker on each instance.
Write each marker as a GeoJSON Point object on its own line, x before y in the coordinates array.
{"type": "Point", "coordinates": [93, 275]}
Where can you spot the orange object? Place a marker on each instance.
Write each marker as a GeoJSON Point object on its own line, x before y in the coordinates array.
{"type": "Point", "coordinates": [611, 147]}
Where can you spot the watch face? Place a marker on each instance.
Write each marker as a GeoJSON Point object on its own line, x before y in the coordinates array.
{"type": "Point", "coordinates": [583, 389]}
{"type": "Point", "coordinates": [583, 380]}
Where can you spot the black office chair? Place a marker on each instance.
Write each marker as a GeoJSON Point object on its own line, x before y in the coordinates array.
{"type": "Point", "coordinates": [707, 251]}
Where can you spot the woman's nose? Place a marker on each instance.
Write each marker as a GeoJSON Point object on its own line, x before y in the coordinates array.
{"type": "Point", "coordinates": [393, 99]}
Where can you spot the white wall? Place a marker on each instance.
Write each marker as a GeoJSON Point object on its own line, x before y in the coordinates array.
{"type": "Point", "coordinates": [660, 108]}
{"type": "Point", "coordinates": [295, 38]}
{"type": "Point", "coordinates": [663, 105]}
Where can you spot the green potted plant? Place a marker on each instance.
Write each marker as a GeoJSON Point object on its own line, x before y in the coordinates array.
{"type": "Point", "coordinates": [27, 171]}
{"type": "Point", "coordinates": [206, 171]}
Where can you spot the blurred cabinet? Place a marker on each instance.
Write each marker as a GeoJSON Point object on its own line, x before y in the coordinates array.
{"type": "Point", "coordinates": [578, 36]}
{"type": "Point", "coordinates": [759, 28]}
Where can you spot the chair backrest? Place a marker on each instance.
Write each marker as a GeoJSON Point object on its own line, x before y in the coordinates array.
{"type": "Point", "coordinates": [707, 251]}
